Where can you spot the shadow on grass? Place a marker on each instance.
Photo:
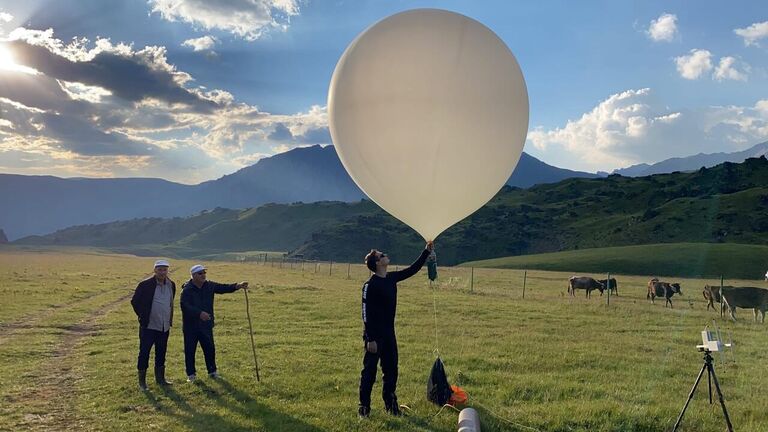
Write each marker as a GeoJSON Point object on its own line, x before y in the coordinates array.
{"type": "Point", "coordinates": [199, 420]}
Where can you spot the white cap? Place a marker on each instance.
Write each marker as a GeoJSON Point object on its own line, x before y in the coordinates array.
{"type": "Point", "coordinates": [196, 268]}
{"type": "Point", "coordinates": [162, 263]}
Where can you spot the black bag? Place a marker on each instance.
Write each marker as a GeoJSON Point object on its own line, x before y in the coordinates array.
{"type": "Point", "coordinates": [438, 389]}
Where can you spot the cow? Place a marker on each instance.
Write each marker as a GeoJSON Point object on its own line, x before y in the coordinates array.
{"type": "Point", "coordinates": [586, 283]}
{"type": "Point", "coordinates": [712, 295]}
{"type": "Point", "coordinates": [747, 298]}
{"type": "Point", "coordinates": [657, 288]}
{"type": "Point", "coordinates": [611, 285]}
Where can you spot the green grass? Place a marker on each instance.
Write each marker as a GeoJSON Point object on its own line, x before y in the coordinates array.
{"type": "Point", "coordinates": [732, 261]}
{"type": "Point", "coordinates": [548, 361]}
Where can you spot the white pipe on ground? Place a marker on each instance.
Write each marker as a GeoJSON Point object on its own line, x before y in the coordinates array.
{"type": "Point", "coordinates": [469, 421]}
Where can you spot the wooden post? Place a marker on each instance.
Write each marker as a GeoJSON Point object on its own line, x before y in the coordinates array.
{"type": "Point", "coordinates": [722, 300]}
{"type": "Point", "coordinates": [525, 278]}
{"type": "Point", "coordinates": [608, 284]}
{"type": "Point", "coordinates": [472, 280]}
{"type": "Point", "coordinates": [330, 268]}
{"type": "Point", "coordinates": [348, 266]}
{"type": "Point", "coordinates": [302, 265]}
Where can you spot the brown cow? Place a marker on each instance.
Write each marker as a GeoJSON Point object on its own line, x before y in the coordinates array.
{"type": "Point", "coordinates": [657, 288]}
{"type": "Point", "coordinates": [747, 298]}
{"type": "Point", "coordinates": [712, 295]}
{"type": "Point", "coordinates": [584, 282]}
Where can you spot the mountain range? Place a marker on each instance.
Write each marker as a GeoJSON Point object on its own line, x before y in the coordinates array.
{"type": "Point", "coordinates": [724, 204]}
{"type": "Point", "coordinates": [692, 163]}
{"type": "Point", "coordinates": [33, 205]}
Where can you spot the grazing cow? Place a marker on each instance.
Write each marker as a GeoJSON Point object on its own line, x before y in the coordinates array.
{"type": "Point", "coordinates": [611, 285]}
{"type": "Point", "coordinates": [657, 288]}
{"type": "Point", "coordinates": [584, 282]}
{"type": "Point", "coordinates": [747, 298]}
{"type": "Point", "coordinates": [712, 295]}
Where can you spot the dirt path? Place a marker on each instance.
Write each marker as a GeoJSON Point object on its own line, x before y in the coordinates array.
{"type": "Point", "coordinates": [47, 394]}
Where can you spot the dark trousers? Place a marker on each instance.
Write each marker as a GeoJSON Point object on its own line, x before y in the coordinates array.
{"type": "Point", "coordinates": [203, 336]}
{"type": "Point", "coordinates": [387, 354]}
{"type": "Point", "coordinates": [147, 338]}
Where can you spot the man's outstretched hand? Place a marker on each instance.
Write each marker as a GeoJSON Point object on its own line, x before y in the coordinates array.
{"type": "Point", "coordinates": [242, 285]}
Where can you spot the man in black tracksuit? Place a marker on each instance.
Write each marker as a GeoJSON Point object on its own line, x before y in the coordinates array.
{"type": "Point", "coordinates": [379, 307]}
{"type": "Point", "coordinates": [197, 314]}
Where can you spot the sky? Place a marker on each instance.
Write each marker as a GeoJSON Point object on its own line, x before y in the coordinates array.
{"type": "Point", "coordinates": [190, 90]}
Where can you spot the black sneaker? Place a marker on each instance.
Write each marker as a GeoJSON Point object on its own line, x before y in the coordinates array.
{"type": "Point", "coordinates": [363, 411]}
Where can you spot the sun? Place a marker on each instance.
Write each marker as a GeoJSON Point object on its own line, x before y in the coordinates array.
{"type": "Point", "coordinates": [6, 59]}
{"type": "Point", "coordinates": [7, 62]}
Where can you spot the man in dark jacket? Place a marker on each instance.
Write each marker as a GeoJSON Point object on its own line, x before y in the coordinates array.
{"type": "Point", "coordinates": [379, 307]}
{"type": "Point", "coordinates": [153, 303]}
{"type": "Point", "coordinates": [198, 318]}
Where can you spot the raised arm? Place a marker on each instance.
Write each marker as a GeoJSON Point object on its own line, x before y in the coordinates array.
{"type": "Point", "coordinates": [413, 269]}
{"type": "Point", "coordinates": [223, 288]}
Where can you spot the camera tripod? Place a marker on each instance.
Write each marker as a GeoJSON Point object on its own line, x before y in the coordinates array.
{"type": "Point", "coordinates": [710, 377]}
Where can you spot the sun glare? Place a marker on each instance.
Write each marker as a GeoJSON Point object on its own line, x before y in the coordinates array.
{"type": "Point", "coordinates": [7, 62]}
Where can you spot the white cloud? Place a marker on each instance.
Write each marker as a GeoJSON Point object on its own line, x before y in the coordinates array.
{"type": "Point", "coordinates": [6, 17]}
{"type": "Point", "coordinates": [79, 91]}
{"type": "Point", "coordinates": [664, 28]}
{"type": "Point", "coordinates": [72, 119]}
{"type": "Point", "coordinates": [248, 19]}
{"type": "Point", "coordinates": [201, 44]}
{"type": "Point", "coordinates": [727, 70]}
{"type": "Point", "coordinates": [753, 33]}
{"type": "Point", "coordinates": [694, 65]}
{"type": "Point", "coordinates": [634, 127]}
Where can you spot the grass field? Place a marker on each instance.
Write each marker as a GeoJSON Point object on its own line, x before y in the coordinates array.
{"type": "Point", "coordinates": [68, 340]}
{"type": "Point", "coordinates": [672, 259]}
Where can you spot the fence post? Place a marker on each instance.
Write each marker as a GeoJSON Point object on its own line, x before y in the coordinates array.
{"type": "Point", "coordinates": [525, 278]}
{"type": "Point", "coordinates": [608, 284]}
{"type": "Point", "coordinates": [348, 266]}
{"type": "Point", "coordinates": [472, 280]}
{"type": "Point", "coordinates": [722, 300]}
{"type": "Point", "coordinates": [330, 268]}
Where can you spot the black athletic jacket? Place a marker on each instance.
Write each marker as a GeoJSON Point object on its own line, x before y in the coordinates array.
{"type": "Point", "coordinates": [143, 297]}
{"type": "Point", "coordinates": [380, 301]}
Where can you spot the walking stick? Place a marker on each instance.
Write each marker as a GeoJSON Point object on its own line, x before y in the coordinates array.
{"type": "Point", "coordinates": [250, 326]}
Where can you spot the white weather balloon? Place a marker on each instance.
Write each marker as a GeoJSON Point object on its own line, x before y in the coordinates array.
{"type": "Point", "coordinates": [428, 111]}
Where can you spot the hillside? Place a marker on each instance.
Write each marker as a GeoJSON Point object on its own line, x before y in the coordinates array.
{"type": "Point", "coordinates": [724, 204]}
{"type": "Point", "coordinates": [669, 259]}
{"type": "Point", "coordinates": [35, 205]}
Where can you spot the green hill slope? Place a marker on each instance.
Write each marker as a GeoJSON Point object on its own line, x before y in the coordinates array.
{"type": "Point", "coordinates": [672, 259]}
{"type": "Point", "coordinates": [724, 204]}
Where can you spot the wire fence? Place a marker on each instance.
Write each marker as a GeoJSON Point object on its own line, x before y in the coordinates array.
{"type": "Point", "coordinates": [520, 283]}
